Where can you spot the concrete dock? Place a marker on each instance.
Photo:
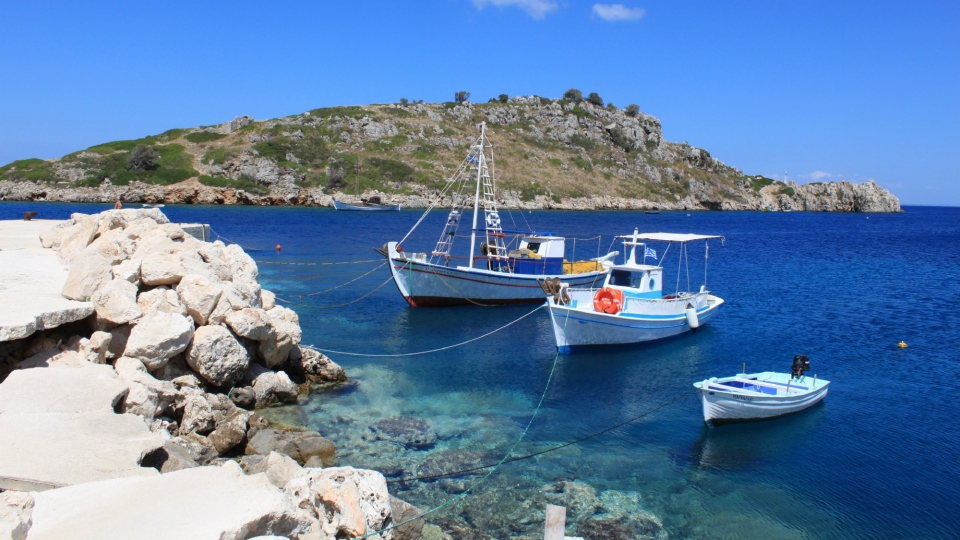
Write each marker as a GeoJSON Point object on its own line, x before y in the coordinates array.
{"type": "Point", "coordinates": [31, 278]}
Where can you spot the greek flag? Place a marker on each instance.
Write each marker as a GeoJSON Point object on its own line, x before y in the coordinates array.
{"type": "Point", "coordinates": [648, 252]}
{"type": "Point", "coordinates": [471, 158]}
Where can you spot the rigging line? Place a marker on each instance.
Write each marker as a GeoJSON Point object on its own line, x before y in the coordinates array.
{"type": "Point", "coordinates": [347, 283]}
{"type": "Point", "coordinates": [315, 263]}
{"type": "Point", "coordinates": [550, 449]}
{"type": "Point", "coordinates": [490, 333]}
{"type": "Point", "coordinates": [285, 301]}
{"type": "Point", "coordinates": [219, 236]}
{"type": "Point", "coordinates": [526, 429]}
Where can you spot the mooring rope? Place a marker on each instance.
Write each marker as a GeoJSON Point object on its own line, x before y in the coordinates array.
{"type": "Point", "coordinates": [344, 284]}
{"type": "Point", "coordinates": [490, 333]}
{"type": "Point", "coordinates": [548, 450]}
{"type": "Point", "coordinates": [495, 467]}
{"type": "Point", "coordinates": [258, 261]}
{"type": "Point", "coordinates": [285, 301]}
{"type": "Point", "coordinates": [221, 237]}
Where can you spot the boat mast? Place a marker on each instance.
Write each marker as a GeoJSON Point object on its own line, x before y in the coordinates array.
{"type": "Point", "coordinates": [476, 197]}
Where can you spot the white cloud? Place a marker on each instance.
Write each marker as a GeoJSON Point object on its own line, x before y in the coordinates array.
{"type": "Point", "coordinates": [537, 9]}
{"type": "Point", "coordinates": [617, 12]}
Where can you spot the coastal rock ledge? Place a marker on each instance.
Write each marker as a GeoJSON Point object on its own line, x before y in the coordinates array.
{"type": "Point", "coordinates": [139, 421]}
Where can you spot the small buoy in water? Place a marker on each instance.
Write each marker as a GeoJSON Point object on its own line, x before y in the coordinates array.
{"type": "Point", "coordinates": [688, 215]}
{"type": "Point", "coordinates": [902, 345]}
{"type": "Point", "coordinates": [692, 319]}
{"type": "Point", "coordinates": [278, 247]}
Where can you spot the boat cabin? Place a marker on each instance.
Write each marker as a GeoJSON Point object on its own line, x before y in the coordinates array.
{"type": "Point", "coordinates": [538, 255]}
{"type": "Point", "coordinates": [638, 281]}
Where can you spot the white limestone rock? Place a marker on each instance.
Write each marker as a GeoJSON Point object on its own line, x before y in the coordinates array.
{"type": "Point", "coordinates": [287, 334]}
{"type": "Point", "coordinates": [78, 236]}
{"type": "Point", "coordinates": [157, 337]}
{"type": "Point", "coordinates": [96, 349]}
{"type": "Point", "coordinates": [197, 414]}
{"type": "Point", "coordinates": [251, 323]}
{"type": "Point", "coordinates": [116, 303]}
{"type": "Point", "coordinates": [267, 299]}
{"type": "Point", "coordinates": [270, 386]}
{"type": "Point", "coordinates": [347, 502]}
{"type": "Point", "coordinates": [162, 299]}
{"type": "Point", "coordinates": [242, 266]}
{"type": "Point", "coordinates": [16, 510]}
{"type": "Point", "coordinates": [128, 270]}
{"type": "Point", "coordinates": [217, 356]}
{"type": "Point", "coordinates": [198, 503]}
{"type": "Point", "coordinates": [87, 274]}
{"type": "Point", "coordinates": [279, 468]}
{"type": "Point", "coordinates": [200, 297]}
{"type": "Point", "coordinates": [67, 388]}
{"type": "Point", "coordinates": [160, 269]}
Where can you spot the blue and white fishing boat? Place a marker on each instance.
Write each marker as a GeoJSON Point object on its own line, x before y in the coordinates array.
{"type": "Point", "coordinates": [631, 306]}
{"type": "Point", "coordinates": [760, 396]}
{"type": "Point", "coordinates": [504, 272]}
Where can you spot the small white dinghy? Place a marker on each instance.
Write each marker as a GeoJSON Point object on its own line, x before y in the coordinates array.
{"type": "Point", "coordinates": [760, 396]}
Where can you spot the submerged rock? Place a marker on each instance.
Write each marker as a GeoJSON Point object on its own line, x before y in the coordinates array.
{"type": "Point", "coordinates": [407, 431]}
{"type": "Point", "coordinates": [299, 445]}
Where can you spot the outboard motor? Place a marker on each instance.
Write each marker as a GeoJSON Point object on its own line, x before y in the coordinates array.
{"type": "Point", "coordinates": [800, 364]}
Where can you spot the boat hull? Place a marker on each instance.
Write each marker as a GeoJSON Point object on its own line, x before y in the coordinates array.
{"type": "Point", "coordinates": [371, 208]}
{"type": "Point", "coordinates": [721, 408]}
{"type": "Point", "coordinates": [429, 285]}
{"type": "Point", "coordinates": [575, 328]}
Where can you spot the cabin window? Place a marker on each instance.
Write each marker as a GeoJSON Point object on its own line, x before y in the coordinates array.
{"type": "Point", "coordinates": [653, 284]}
{"type": "Point", "coordinates": [620, 278]}
{"type": "Point", "coordinates": [534, 247]}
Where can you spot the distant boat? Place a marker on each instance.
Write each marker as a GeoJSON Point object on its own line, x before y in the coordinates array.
{"type": "Point", "coordinates": [153, 206]}
{"type": "Point", "coordinates": [760, 396]}
{"type": "Point", "coordinates": [370, 204]}
{"type": "Point", "coordinates": [651, 211]}
{"type": "Point", "coordinates": [631, 306]}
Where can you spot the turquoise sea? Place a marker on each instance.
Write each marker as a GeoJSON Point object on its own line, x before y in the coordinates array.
{"type": "Point", "coordinates": [879, 458]}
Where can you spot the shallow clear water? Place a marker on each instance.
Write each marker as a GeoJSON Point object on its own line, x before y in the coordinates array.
{"type": "Point", "coordinates": [878, 459]}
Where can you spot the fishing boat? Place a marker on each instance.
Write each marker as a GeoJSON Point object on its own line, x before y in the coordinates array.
{"type": "Point", "coordinates": [760, 396]}
{"type": "Point", "coordinates": [368, 204]}
{"type": "Point", "coordinates": [510, 264]}
{"type": "Point", "coordinates": [631, 306]}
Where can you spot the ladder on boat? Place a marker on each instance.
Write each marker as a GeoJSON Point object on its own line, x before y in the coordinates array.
{"type": "Point", "coordinates": [491, 217]}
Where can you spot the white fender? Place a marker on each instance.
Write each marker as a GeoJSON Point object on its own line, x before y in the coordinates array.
{"type": "Point", "coordinates": [692, 319]}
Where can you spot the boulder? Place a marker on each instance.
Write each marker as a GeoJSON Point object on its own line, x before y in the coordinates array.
{"type": "Point", "coordinates": [157, 337]}
{"type": "Point", "coordinates": [116, 303]}
{"type": "Point", "coordinates": [96, 349]}
{"type": "Point", "coordinates": [16, 510]}
{"type": "Point", "coordinates": [270, 386]}
{"type": "Point", "coordinates": [243, 397]}
{"type": "Point", "coordinates": [406, 431]}
{"type": "Point", "coordinates": [78, 236]}
{"type": "Point", "coordinates": [279, 468]}
{"type": "Point", "coordinates": [347, 502]}
{"type": "Point", "coordinates": [231, 428]}
{"type": "Point", "coordinates": [300, 445]}
{"type": "Point", "coordinates": [317, 367]}
{"type": "Point", "coordinates": [196, 412]}
{"type": "Point", "coordinates": [251, 323]}
{"type": "Point", "coordinates": [287, 334]}
{"type": "Point", "coordinates": [200, 297]}
{"type": "Point", "coordinates": [242, 266]}
{"type": "Point", "coordinates": [163, 299]}
{"type": "Point", "coordinates": [118, 340]}
{"type": "Point", "coordinates": [142, 401]}
{"type": "Point", "coordinates": [87, 274]}
{"type": "Point", "coordinates": [402, 511]}
{"type": "Point", "coordinates": [128, 270]}
{"type": "Point", "coordinates": [217, 356]}
{"type": "Point", "coordinates": [160, 269]}
{"type": "Point", "coordinates": [177, 458]}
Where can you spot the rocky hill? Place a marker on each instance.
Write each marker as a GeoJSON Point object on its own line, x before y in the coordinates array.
{"type": "Point", "coordinates": [549, 153]}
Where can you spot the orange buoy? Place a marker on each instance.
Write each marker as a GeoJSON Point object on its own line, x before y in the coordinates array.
{"type": "Point", "coordinates": [278, 247]}
{"type": "Point", "coordinates": [608, 301]}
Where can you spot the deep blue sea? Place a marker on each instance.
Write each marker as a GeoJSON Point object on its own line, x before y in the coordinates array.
{"type": "Point", "coordinates": [879, 458]}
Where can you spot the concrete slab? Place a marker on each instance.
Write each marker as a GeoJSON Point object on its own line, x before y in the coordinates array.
{"type": "Point", "coordinates": [199, 503]}
{"type": "Point", "coordinates": [31, 279]}
{"type": "Point", "coordinates": [47, 450]}
{"type": "Point", "coordinates": [90, 387]}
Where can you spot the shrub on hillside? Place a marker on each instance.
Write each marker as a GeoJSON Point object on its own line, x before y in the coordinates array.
{"type": "Point", "coordinates": [198, 137]}
{"type": "Point", "coordinates": [632, 110]}
{"type": "Point", "coordinates": [404, 102]}
{"type": "Point", "coordinates": [142, 158]}
{"type": "Point", "coordinates": [573, 95]}
{"type": "Point", "coordinates": [595, 99]}
{"type": "Point", "coordinates": [461, 96]}
{"type": "Point", "coordinates": [503, 98]}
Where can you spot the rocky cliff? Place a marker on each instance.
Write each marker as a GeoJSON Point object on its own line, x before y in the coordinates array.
{"type": "Point", "coordinates": [548, 153]}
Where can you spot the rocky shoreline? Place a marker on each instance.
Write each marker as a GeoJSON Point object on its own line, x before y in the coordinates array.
{"type": "Point", "coordinates": [183, 346]}
{"type": "Point", "coordinates": [819, 197]}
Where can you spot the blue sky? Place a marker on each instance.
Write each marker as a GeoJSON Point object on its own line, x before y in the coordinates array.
{"type": "Point", "coordinates": [823, 90]}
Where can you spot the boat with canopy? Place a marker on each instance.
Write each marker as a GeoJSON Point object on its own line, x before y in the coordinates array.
{"type": "Point", "coordinates": [510, 264]}
{"type": "Point", "coordinates": [631, 306]}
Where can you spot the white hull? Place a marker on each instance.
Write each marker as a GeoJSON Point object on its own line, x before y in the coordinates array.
{"type": "Point", "coordinates": [574, 327]}
{"type": "Point", "coordinates": [432, 285]}
{"type": "Point", "coordinates": [366, 208]}
{"type": "Point", "coordinates": [723, 407]}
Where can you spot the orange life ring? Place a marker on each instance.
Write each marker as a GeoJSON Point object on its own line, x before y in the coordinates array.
{"type": "Point", "coordinates": [608, 301]}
